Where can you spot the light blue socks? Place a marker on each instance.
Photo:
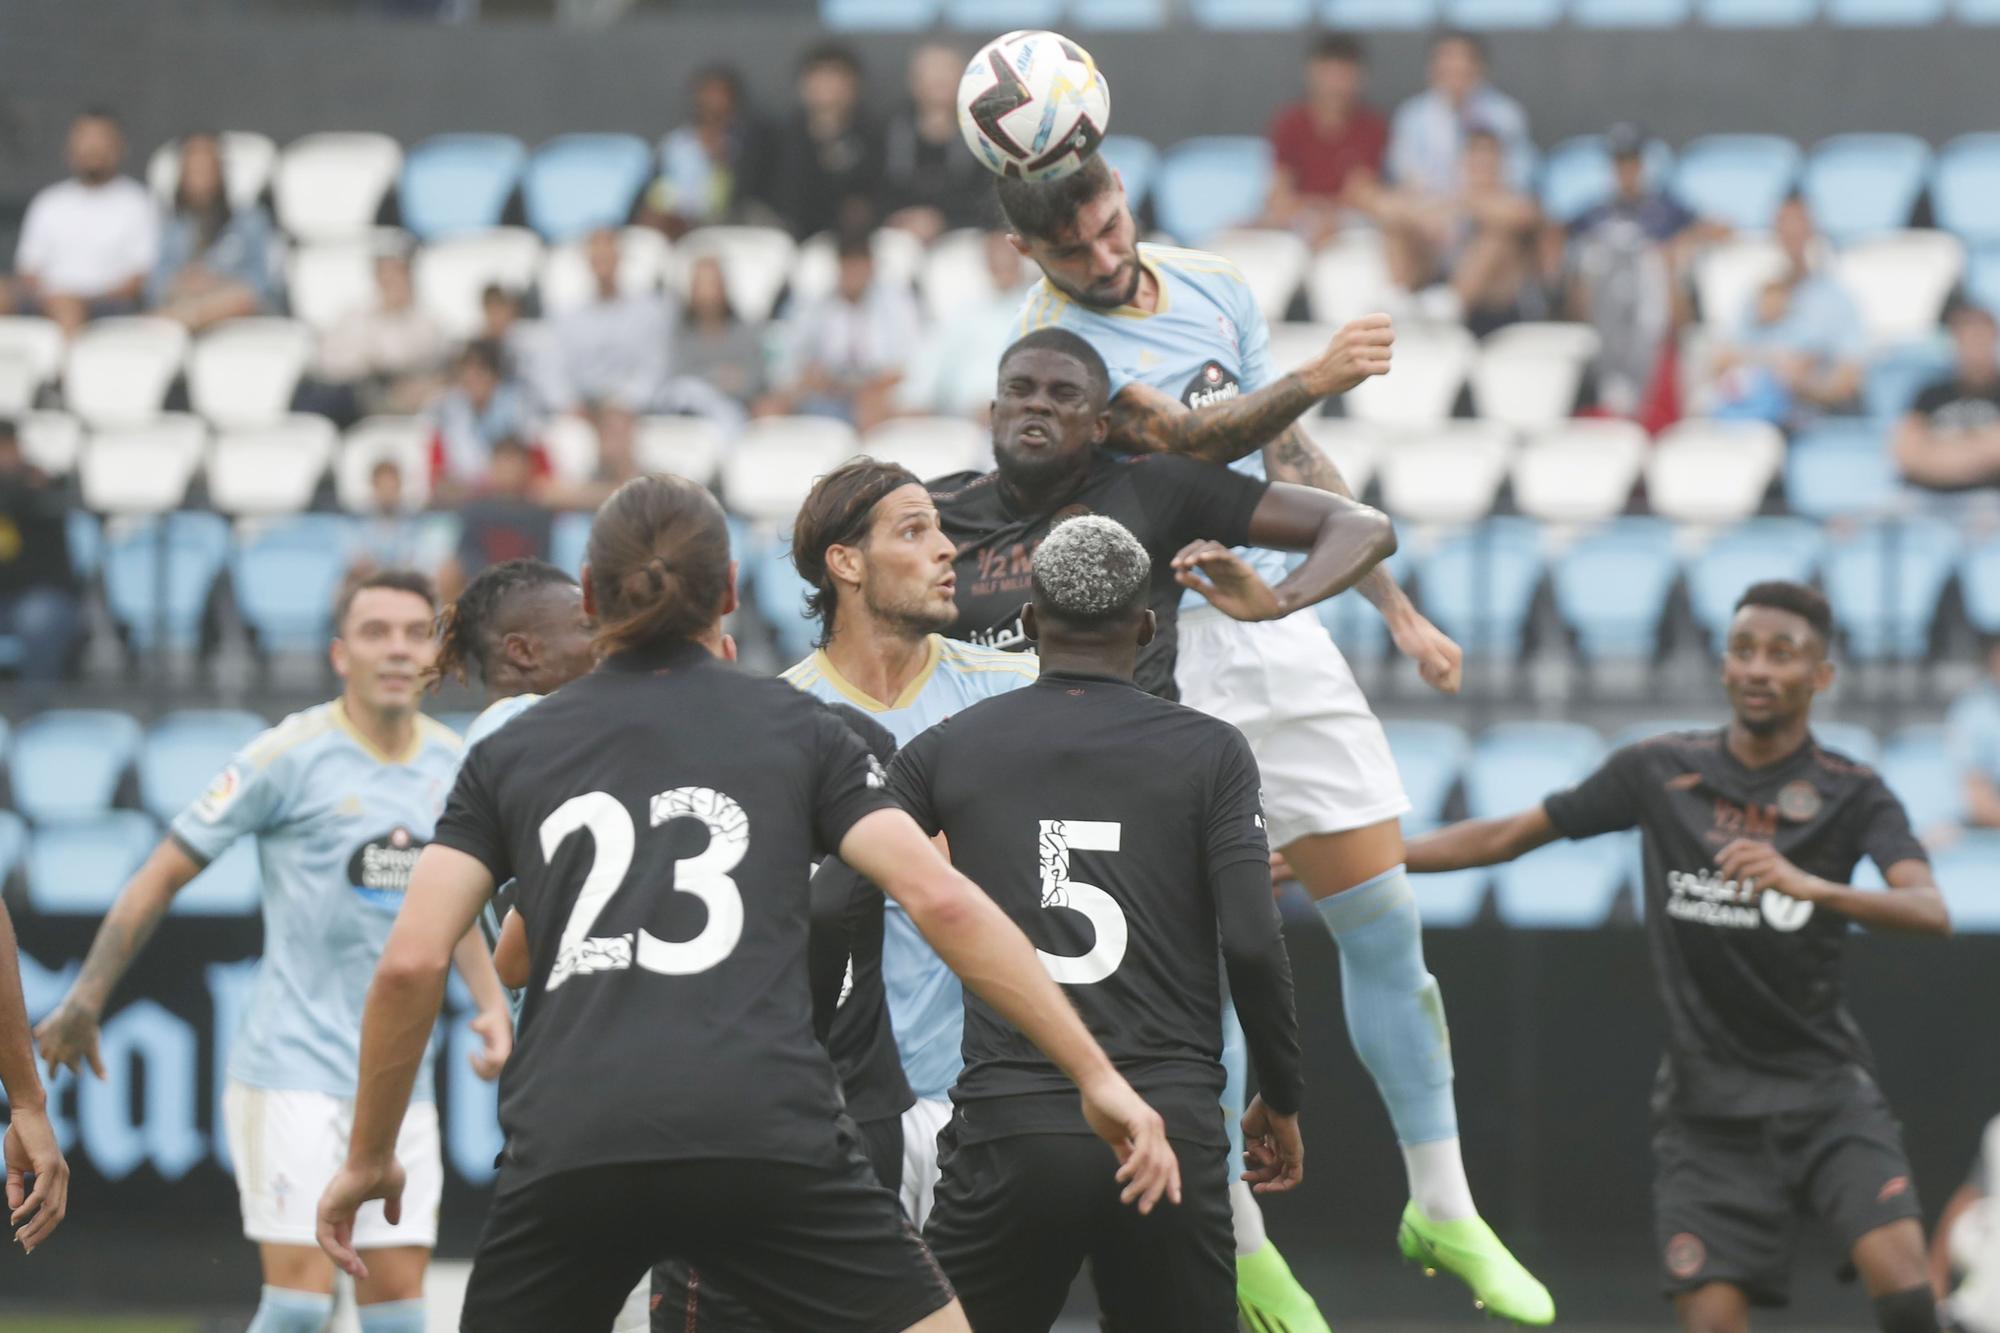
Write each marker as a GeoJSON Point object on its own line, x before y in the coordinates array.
{"type": "Point", "coordinates": [392, 1317]}
{"type": "Point", "coordinates": [282, 1310]}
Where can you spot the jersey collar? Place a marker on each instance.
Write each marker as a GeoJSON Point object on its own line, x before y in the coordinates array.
{"type": "Point", "coordinates": [677, 653]}
{"type": "Point", "coordinates": [368, 747]}
{"type": "Point", "coordinates": [1094, 677]}
{"type": "Point", "coordinates": [860, 698]}
{"type": "Point", "coordinates": [1063, 298]}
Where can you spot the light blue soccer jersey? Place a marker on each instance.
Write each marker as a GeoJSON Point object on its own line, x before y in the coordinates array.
{"type": "Point", "coordinates": [1205, 344]}
{"type": "Point", "coordinates": [926, 1003]}
{"type": "Point", "coordinates": [338, 828]}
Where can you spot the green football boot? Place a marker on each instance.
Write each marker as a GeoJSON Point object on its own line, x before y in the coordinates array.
{"type": "Point", "coordinates": [1469, 1251]}
{"type": "Point", "coordinates": [1270, 1299]}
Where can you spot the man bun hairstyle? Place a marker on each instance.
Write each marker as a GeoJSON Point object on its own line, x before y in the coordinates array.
{"type": "Point", "coordinates": [839, 512]}
{"type": "Point", "coordinates": [1802, 600]}
{"type": "Point", "coordinates": [1090, 571]}
{"type": "Point", "coordinates": [659, 564]}
{"type": "Point", "coordinates": [470, 629]}
{"type": "Point", "coordinates": [1046, 210]}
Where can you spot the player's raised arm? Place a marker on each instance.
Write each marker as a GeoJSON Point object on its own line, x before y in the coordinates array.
{"type": "Point", "coordinates": [30, 1146]}
{"type": "Point", "coordinates": [1342, 540]}
{"type": "Point", "coordinates": [1480, 842]}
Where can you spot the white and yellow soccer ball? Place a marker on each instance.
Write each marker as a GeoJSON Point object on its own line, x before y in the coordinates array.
{"type": "Point", "coordinates": [1033, 106]}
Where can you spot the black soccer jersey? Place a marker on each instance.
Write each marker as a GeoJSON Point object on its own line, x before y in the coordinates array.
{"type": "Point", "coordinates": [659, 816]}
{"type": "Point", "coordinates": [1756, 1022]}
{"type": "Point", "coordinates": [1166, 501]}
{"type": "Point", "coordinates": [1123, 834]}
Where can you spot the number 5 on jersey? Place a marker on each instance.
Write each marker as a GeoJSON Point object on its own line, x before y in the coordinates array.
{"type": "Point", "coordinates": [1060, 837]}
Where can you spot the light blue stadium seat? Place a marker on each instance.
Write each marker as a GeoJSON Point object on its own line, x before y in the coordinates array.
{"type": "Point", "coordinates": [781, 601]}
{"type": "Point", "coordinates": [286, 578]}
{"type": "Point", "coordinates": [1379, 14]}
{"type": "Point", "coordinates": [196, 546]}
{"type": "Point", "coordinates": [1977, 11]}
{"type": "Point", "coordinates": [1577, 174]}
{"type": "Point", "coordinates": [76, 867]}
{"type": "Point", "coordinates": [1916, 763]}
{"type": "Point", "coordinates": [1841, 468]}
{"type": "Point", "coordinates": [458, 182]}
{"type": "Point", "coordinates": [1257, 15]}
{"type": "Point", "coordinates": [1110, 15]}
{"type": "Point", "coordinates": [1979, 583]}
{"type": "Point", "coordinates": [1515, 764]}
{"type": "Point", "coordinates": [1982, 277]}
{"type": "Point", "coordinates": [1897, 375]}
{"type": "Point", "coordinates": [878, 15]}
{"type": "Point", "coordinates": [459, 722]}
{"type": "Point", "coordinates": [1737, 178]}
{"type": "Point", "coordinates": [1629, 13]}
{"type": "Point", "coordinates": [1611, 587]}
{"type": "Point", "coordinates": [1355, 626]}
{"type": "Point", "coordinates": [1857, 742]}
{"type": "Point", "coordinates": [570, 539]}
{"type": "Point", "coordinates": [1965, 188]}
{"type": "Point", "coordinates": [86, 542]}
{"type": "Point", "coordinates": [1884, 584]}
{"type": "Point", "coordinates": [66, 762]}
{"type": "Point", "coordinates": [13, 841]}
{"type": "Point", "coordinates": [1642, 731]}
{"type": "Point", "coordinates": [577, 182]}
{"type": "Point", "coordinates": [184, 751]}
{"type": "Point", "coordinates": [1211, 182]}
{"type": "Point", "coordinates": [998, 16]}
{"type": "Point", "coordinates": [1563, 886]}
{"type": "Point", "coordinates": [1136, 161]}
{"type": "Point", "coordinates": [1859, 184]}
{"type": "Point", "coordinates": [1429, 756]}
{"type": "Point", "coordinates": [1479, 586]}
{"type": "Point", "coordinates": [230, 885]}
{"type": "Point", "coordinates": [1968, 874]}
{"type": "Point", "coordinates": [1884, 13]}
{"type": "Point", "coordinates": [1750, 552]}
{"type": "Point", "coordinates": [1453, 898]}
{"type": "Point", "coordinates": [1491, 14]}
{"type": "Point", "coordinates": [1758, 13]}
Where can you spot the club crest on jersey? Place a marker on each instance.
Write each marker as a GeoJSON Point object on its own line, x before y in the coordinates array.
{"type": "Point", "coordinates": [1213, 383]}
{"type": "Point", "coordinates": [1799, 801]}
{"type": "Point", "coordinates": [380, 868]}
{"type": "Point", "coordinates": [221, 794]}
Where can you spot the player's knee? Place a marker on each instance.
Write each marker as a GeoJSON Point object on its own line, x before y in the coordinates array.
{"type": "Point", "coordinates": [1912, 1310]}
{"type": "Point", "coordinates": [283, 1310]}
{"type": "Point", "coordinates": [1715, 1308]}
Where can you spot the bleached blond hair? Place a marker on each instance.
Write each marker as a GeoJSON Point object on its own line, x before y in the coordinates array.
{"type": "Point", "coordinates": [1090, 569]}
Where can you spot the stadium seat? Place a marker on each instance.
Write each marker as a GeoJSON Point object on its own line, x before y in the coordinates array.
{"type": "Point", "coordinates": [1118, 15]}
{"type": "Point", "coordinates": [954, 276]}
{"type": "Point", "coordinates": [1454, 898]}
{"type": "Point", "coordinates": [1917, 765]}
{"type": "Point", "coordinates": [75, 867]}
{"type": "Point", "coordinates": [1367, 15]}
{"type": "Point", "coordinates": [243, 373]}
{"type": "Point", "coordinates": [1860, 184]}
{"type": "Point", "coordinates": [1431, 364]}
{"type": "Point", "coordinates": [333, 279]}
{"type": "Point", "coordinates": [1979, 585]}
{"type": "Point", "coordinates": [879, 15]}
{"type": "Point", "coordinates": [31, 351]}
{"type": "Point", "coordinates": [457, 183]}
{"type": "Point", "coordinates": [1896, 375]}
{"type": "Point", "coordinates": [1137, 163]}
{"type": "Point", "coordinates": [142, 469]}
{"type": "Point", "coordinates": [13, 841]}
{"type": "Point", "coordinates": [995, 16]}
{"type": "Point", "coordinates": [1857, 742]}
{"type": "Point", "coordinates": [899, 258]}
{"type": "Point", "coordinates": [1900, 281]}
{"type": "Point", "coordinates": [1355, 447]}
{"type": "Point", "coordinates": [1758, 13]}
{"type": "Point", "coordinates": [86, 543]}
{"type": "Point", "coordinates": [1283, 15]}
{"type": "Point", "coordinates": [1356, 626]}
{"type": "Point", "coordinates": [66, 763]}
{"type": "Point", "coordinates": [1488, 14]}
{"type": "Point", "coordinates": [50, 441]}
{"type": "Point", "coordinates": [1446, 474]}
{"type": "Point", "coordinates": [1611, 588]}
{"type": "Point", "coordinates": [329, 187]}
{"type": "Point", "coordinates": [576, 182]}
{"type": "Point", "coordinates": [688, 447]}
{"type": "Point", "coordinates": [755, 261]}
{"type": "Point", "coordinates": [119, 370]}
{"type": "Point", "coordinates": [184, 751]}
{"type": "Point", "coordinates": [248, 161]}
{"type": "Point", "coordinates": [195, 546]}
{"type": "Point", "coordinates": [1884, 13]}
{"type": "Point", "coordinates": [1429, 756]}
{"type": "Point", "coordinates": [644, 259]}
{"type": "Point", "coordinates": [1563, 886]}
{"type": "Point", "coordinates": [1737, 178]}
{"type": "Point", "coordinates": [1479, 586]}
{"type": "Point", "coordinates": [451, 275]}
{"type": "Point", "coordinates": [1272, 262]}
{"type": "Point", "coordinates": [1967, 872]}
{"type": "Point", "coordinates": [571, 444]}
{"type": "Point", "coordinates": [1577, 173]}
{"type": "Point", "coordinates": [928, 446]}
{"type": "Point", "coordinates": [1884, 583]}
{"type": "Point", "coordinates": [230, 885]}
{"type": "Point", "coordinates": [1713, 471]}
{"type": "Point", "coordinates": [459, 722]}
{"type": "Point", "coordinates": [1977, 11]}
{"type": "Point", "coordinates": [1514, 764]}
{"type": "Point", "coordinates": [1350, 278]}
{"type": "Point", "coordinates": [1727, 275]}
{"type": "Point", "coordinates": [780, 596]}
{"type": "Point", "coordinates": [1839, 469]}
{"type": "Point", "coordinates": [1578, 471]}
{"type": "Point", "coordinates": [1527, 375]}
{"type": "Point", "coordinates": [405, 441]}
{"type": "Point", "coordinates": [1762, 548]}
{"type": "Point", "coordinates": [771, 467]}
{"type": "Point", "coordinates": [1982, 277]}
{"type": "Point", "coordinates": [568, 542]}
{"type": "Point", "coordinates": [1629, 13]}
{"type": "Point", "coordinates": [1965, 188]}
{"type": "Point", "coordinates": [272, 470]}
{"type": "Point", "coordinates": [1210, 183]}
{"type": "Point", "coordinates": [1292, 344]}
{"type": "Point", "coordinates": [286, 573]}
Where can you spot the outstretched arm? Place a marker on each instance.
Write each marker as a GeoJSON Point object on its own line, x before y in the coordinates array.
{"type": "Point", "coordinates": [30, 1141]}
{"type": "Point", "coordinates": [1479, 842]}
{"type": "Point", "coordinates": [1913, 903]}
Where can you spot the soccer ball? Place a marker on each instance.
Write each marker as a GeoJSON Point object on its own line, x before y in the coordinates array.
{"type": "Point", "coordinates": [1033, 106]}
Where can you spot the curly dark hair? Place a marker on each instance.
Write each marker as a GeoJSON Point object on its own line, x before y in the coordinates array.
{"type": "Point", "coordinates": [469, 629]}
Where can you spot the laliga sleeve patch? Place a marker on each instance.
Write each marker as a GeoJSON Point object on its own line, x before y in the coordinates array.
{"type": "Point", "coordinates": [221, 794]}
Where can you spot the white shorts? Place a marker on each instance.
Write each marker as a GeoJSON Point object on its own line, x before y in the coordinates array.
{"type": "Point", "coordinates": [1325, 762]}
{"type": "Point", "coordinates": [921, 1125]}
{"type": "Point", "coordinates": [288, 1144]}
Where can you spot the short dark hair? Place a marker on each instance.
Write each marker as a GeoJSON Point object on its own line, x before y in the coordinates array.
{"type": "Point", "coordinates": [470, 629]}
{"type": "Point", "coordinates": [854, 242]}
{"type": "Point", "coordinates": [494, 291]}
{"type": "Point", "coordinates": [1043, 210]}
{"type": "Point", "coordinates": [1070, 345]}
{"type": "Point", "coordinates": [487, 353]}
{"type": "Point", "coordinates": [398, 580]}
{"type": "Point", "coordinates": [1340, 46]}
{"type": "Point", "coordinates": [1964, 307]}
{"type": "Point", "coordinates": [838, 512]}
{"type": "Point", "coordinates": [1446, 36]}
{"type": "Point", "coordinates": [1802, 600]}
{"type": "Point", "coordinates": [830, 53]}
{"type": "Point", "coordinates": [99, 111]}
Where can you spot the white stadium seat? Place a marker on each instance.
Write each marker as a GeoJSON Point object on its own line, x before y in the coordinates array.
{"type": "Point", "coordinates": [1713, 471]}
{"type": "Point", "coordinates": [1449, 473]}
{"type": "Point", "coordinates": [242, 373]}
{"type": "Point", "coordinates": [330, 281]}
{"type": "Point", "coordinates": [1273, 263]}
{"type": "Point", "coordinates": [1726, 276]}
{"type": "Point", "coordinates": [899, 258]}
{"type": "Point", "coordinates": [954, 277]}
{"type": "Point", "coordinates": [1427, 370]}
{"type": "Point", "coordinates": [1350, 278]}
{"type": "Point", "coordinates": [404, 441]}
{"type": "Point", "coordinates": [248, 158]}
{"type": "Point", "coordinates": [450, 275]}
{"type": "Point", "coordinates": [1900, 280]}
{"type": "Point", "coordinates": [688, 447]}
{"type": "Point", "coordinates": [1294, 343]}
{"type": "Point", "coordinates": [645, 260]}
{"type": "Point", "coordinates": [1355, 447]}
{"type": "Point", "coordinates": [572, 446]}
{"type": "Point", "coordinates": [773, 463]}
{"type": "Point", "coordinates": [31, 352]}
{"type": "Point", "coordinates": [119, 370]}
{"type": "Point", "coordinates": [50, 440]}
{"type": "Point", "coordinates": [929, 446]}
{"type": "Point", "coordinates": [1527, 374]}
{"type": "Point", "coordinates": [272, 469]}
{"type": "Point", "coordinates": [755, 262]}
{"type": "Point", "coordinates": [1579, 470]}
{"type": "Point", "coordinates": [142, 469]}
{"type": "Point", "coordinates": [328, 187]}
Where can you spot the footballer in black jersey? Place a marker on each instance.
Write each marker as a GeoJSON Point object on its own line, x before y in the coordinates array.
{"type": "Point", "coordinates": [1766, 1104]}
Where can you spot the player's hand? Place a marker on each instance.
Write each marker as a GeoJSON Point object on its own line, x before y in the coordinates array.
{"type": "Point", "coordinates": [496, 1029]}
{"type": "Point", "coordinates": [1359, 351]}
{"type": "Point", "coordinates": [1756, 866]}
{"type": "Point", "coordinates": [1439, 661]}
{"type": "Point", "coordinates": [68, 1038]}
{"type": "Point", "coordinates": [1281, 870]}
{"type": "Point", "coordinates": [351, 1187]}
{"type": "Point", "coordinates": [1227, 581]}
{"type": "Point", "coordinates": [1147, 1166]}
{"type": "Point", "coordinates": [1273, 1149]}
{"type": "Point", "coordinates": [31, 1149]}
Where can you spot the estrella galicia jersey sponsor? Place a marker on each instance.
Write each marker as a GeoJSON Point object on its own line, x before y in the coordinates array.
{"type": "Point", "coordinates": [339, 826]}
{"type": "Point", "coordinates": [1751, 983]}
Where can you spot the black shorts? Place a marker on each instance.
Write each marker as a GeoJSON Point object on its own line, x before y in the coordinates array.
{"type": "Point", "coordinates": [687, 1299]}
{"type": "Point", "coordinates": [810, 1249]}
{"type": "Point", "coordinates": [1015, 1219]}
{"type": "Point", "coordinates": [1728, 1195]}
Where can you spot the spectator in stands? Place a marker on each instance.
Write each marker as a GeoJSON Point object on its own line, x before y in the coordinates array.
{"type": "Point", "coordinates": [532, 357]}
{"type": "Point", "coordinates": [846, 351]}
{"type": "Point", "coordinates": [87, 243]}
{"type": "Point", "coordinates": [1480, 238]}
{"type": "Point", "coordinates": [713, 165]}
{"type": "Point", "coordinates": [714, 345]}
{"type": "Point", "coordinates": [952, 372]}
{"type": "Point", "coordinates": [1427, 136]}
{"type": "Point", "coordinates": [38, 594]}
{"type": "Point", "coordinates": [216, 262]}
{"type": "Point", "coordinates": [388, 358]}
{"type": "Point", "coordinates": [1328, 147]}
{"type": "Point", "coordinates": [1972, 730]}
{"type": "Point", "coordinates": [503, 519]}
{"type": "Point", "coordinates": [1950, 438]}
{"type": "Point", "coordinates": [613, 354]}
{"type": "Point", "coordinates": [827, 161]}
{"type": "Point", "coordinates": [1798, 350]}
{"type": "Point", "coordinates": [930, 183]}
{"type": "Point", "coordinates": [481, 408]}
